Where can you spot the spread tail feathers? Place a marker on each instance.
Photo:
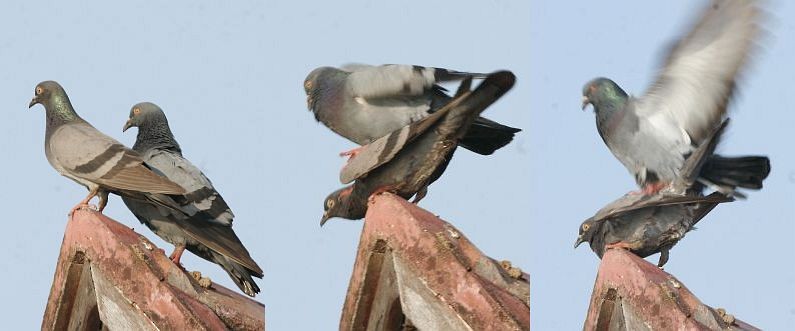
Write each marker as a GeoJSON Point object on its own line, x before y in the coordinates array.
{"type": "Point", "coordinates": [731, 172]}
{"type": "Point", "coordinates": [486, 136]}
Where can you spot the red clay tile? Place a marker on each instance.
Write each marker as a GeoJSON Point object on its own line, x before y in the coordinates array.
{"type": "Point", "coordinates": [633, 294]}
{"type": "Point", "coordinates": [108, 274]}
{"type": "Point", "coordinates": [412, 268]}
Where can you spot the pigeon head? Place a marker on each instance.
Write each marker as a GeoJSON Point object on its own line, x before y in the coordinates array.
{"type": "Point", "coordinates": [587, 231]}
{"type": "Point", "coordinates": [339, 204]}
{"type": "Point", "coordinates": [145, 114]}
{"type": "Point", "coordinates": [603, 93]}
{"type": "Point", "coordinates": [315, 83]}
{"type": "Point", "coordinates": [56, 103]}
{"type": "Point", "coordinates": [153, 130]}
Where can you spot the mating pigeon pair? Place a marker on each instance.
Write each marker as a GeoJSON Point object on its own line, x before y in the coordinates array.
{"type": "Point", "coordinates": [161, 188]}
{"type": "Point", "coordinates": [363, 103]}
{"type": "Point", "coordinates": [660, 137]}
{"type": "Point", "coordinates": [408, 125]}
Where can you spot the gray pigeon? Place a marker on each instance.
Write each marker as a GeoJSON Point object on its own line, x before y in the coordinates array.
{"type": "Point", "coordinates": [646, 224]}
{"type": "Point", "coordinates": [654, 134]}
{"type": "Point", "coordinates": [81, 153]}
{"type": "Point", "coordinates": [406, 161]}
{"type": "Point", "coordinates": [204, 226]}
{"type": "Point", "coordinates": [363, 103]}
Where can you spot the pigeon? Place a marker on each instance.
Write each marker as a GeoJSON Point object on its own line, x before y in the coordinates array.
{"type": "Point", "coordinates": [652, 135]}
{"type": "Point", "coordinates": [646, 224]}
{"type": "Point", "coordinates": [81, 153]}
{"type": "Point", "coordinates": [406, 161]}
{"type": "Point", "coordinates": [204, 223]}
{"type": "Point", "coordinates": [363, 103]}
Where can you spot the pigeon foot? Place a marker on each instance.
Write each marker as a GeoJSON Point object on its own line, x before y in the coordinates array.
{"type": "Point", "coordinates": [378, 191]}
{"type": "Point", "coordinates": [351, 153]}
{"type": "Point", "coordinates": [650, 189]}
{"type": "Point", "coordinates": [84, 203]}
{"type": "Point", "coordinates": [618, 245]}
{"type": "Point", "coordinates": [82, 206]}
{"type": "Point", "coordinates": [176, 255]}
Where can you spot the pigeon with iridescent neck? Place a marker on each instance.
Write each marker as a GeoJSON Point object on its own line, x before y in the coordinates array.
{"type": "Point", "coordinates": [81, 153]}
{"type": "Point", "coordinates": [654, 134]}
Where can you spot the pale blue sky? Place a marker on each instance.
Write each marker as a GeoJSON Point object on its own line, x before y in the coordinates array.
{"type": "Point", "coordinates": [741, 256]}
{"type": "Point", "coordinates": [230, 80]}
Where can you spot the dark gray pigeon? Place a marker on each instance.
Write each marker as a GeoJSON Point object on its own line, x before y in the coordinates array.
{"type": "Point", "coordinates": [646, 224]}
{"type": "Point", "coordinates": [204, 225]}
{"type": "Point", "coordinates": [81, 153]}
{"type": "Point", "coordinates": [654, 134]}
{"type": "Point", "coordinates": [406, 161]}
{"type": "Point", "coordinates": [363, 103]}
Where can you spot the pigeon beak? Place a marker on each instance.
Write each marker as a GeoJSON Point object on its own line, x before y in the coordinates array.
{"type": "Point", "coordinates": [585, 102]}
{"type": "Point", "coordinates": [126, 126]}
{"type": "Point", "coordinates": [578, 242]}
{"type": "Point", "coordinates": [33, 101]}
{"type": "Point", "coordinates": [324, 219]}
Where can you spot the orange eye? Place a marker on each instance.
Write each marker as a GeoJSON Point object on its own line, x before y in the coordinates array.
{"type": "Point", "coordinates": [136, 111]}
{"type": "Point", "coordinates": [39, 90]}
{"type": "Point", "coordinates": [307, 85]}
{"type": "Point", "coordinates": [586, 226]}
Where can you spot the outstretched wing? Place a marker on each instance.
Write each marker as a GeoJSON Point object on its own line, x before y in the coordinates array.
{"type": "Point", "coordinates": [697, 81]}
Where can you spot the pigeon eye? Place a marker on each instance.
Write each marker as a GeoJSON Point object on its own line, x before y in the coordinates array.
{"type": "Point", "coordinates": [586, 226]}
{"type": "Point", "coordinates": [136, 111]}
{"type": "Point", "coordinates": [307, 85]}
{"type": "Point", "coordinates": [39, 90]}
{"type": "Point", "coordinates": [329, 204]}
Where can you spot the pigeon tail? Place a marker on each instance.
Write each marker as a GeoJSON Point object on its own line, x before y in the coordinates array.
{"type": "Point", "coordinates": [241, 275]}
{"type": "Point", "coordinates": [485, 136]}
{"type": "Point", "coordinates": [745, 171]}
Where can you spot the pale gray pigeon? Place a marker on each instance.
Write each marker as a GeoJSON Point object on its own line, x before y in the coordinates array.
{"type": "Point", "coordinates": [81, 153]}
{"type": "Point", "coordinates": [204, 226]}
{"type": "Point", "coordinates": [654, 134]}
{"type": "Point", "coordinates": [406, 161]}
{"type": "Point", "coordinates": [363, 103]}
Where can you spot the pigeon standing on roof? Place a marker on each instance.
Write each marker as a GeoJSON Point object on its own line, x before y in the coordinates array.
{"type": "Point", "coordinates": [646, 225]}
{"type": "Point", "coordinates": [406, 161]}
{"type": "Point", "coordinates": [363, 103]}
{"type": "Point", "coordinates": [653, 135]}
{"type": "Point", "coordinates": [204, 226]}
{"type": "Point", "coordinates": [81, 153]}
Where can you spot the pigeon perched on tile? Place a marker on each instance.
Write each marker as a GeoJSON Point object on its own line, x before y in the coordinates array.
{"type": "Point", "coordinates": [653, 135]}
{"type": "Point", "coordinates": [646, 224]}
{"type": "Point", "coordinates": [406, 161]}
{"type": "Point", "coordinates": [81, 153]}
{"type": "Point", "coordinates": [363, 103]}
{"type": "Point", "coordinates": [204, 225]}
